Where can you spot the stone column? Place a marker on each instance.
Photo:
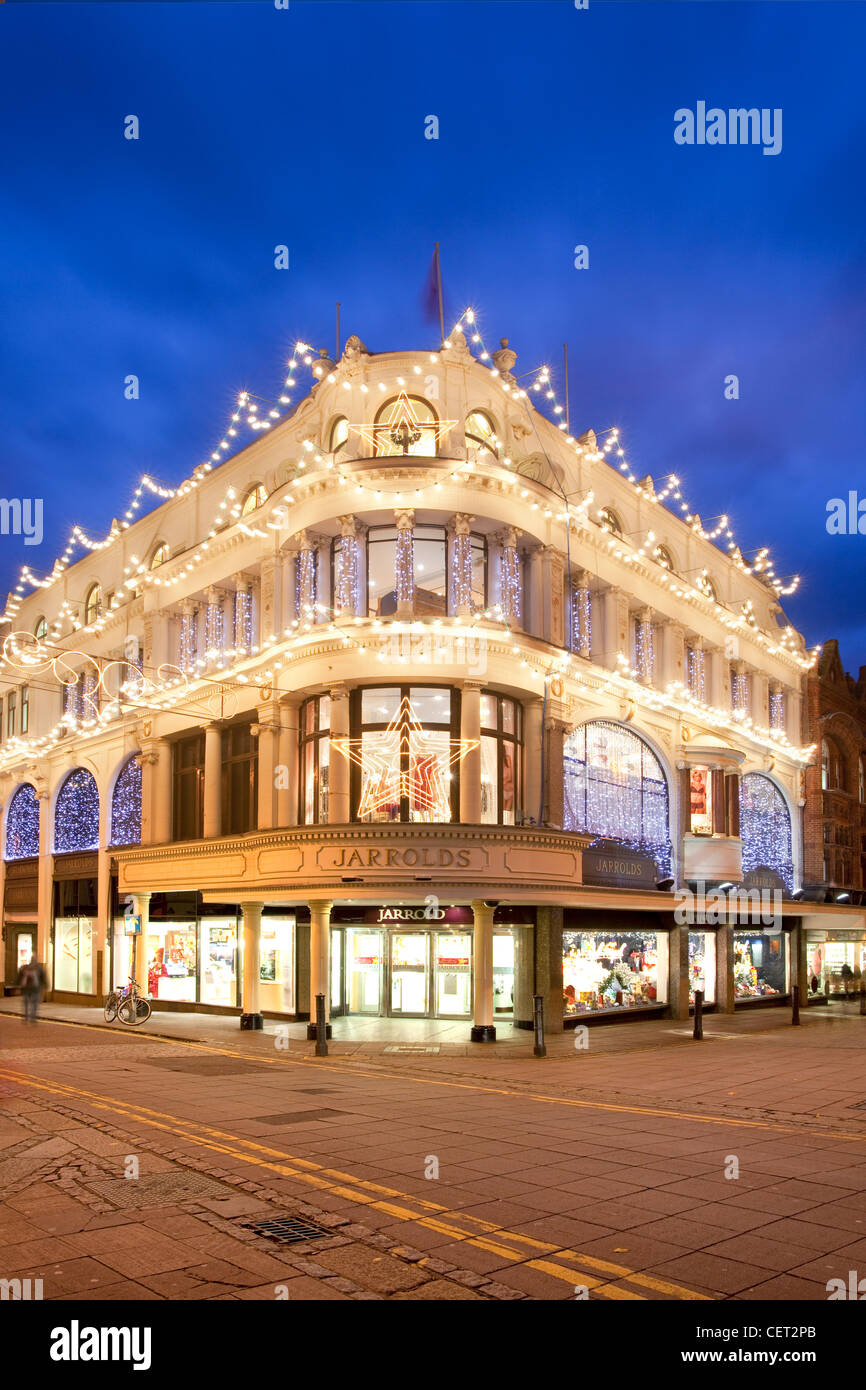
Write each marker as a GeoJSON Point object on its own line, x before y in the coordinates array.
{"type": "Point", "coordinates": [251, 1018]}
{"type": "Point", "coordinates": [161, 820]}
{"type": "Point", "coordinates": [459, 563]}
{"type": "Point", "coordinates": [404, 520]}
{"type": "Point", "coordinates": [102, 933]}
{"type": "Point", "coordinates": [346, 574]}
{"type": "Point", "coordinates": [725, 969]}
{"type": "Point", "coordinates": [320, 961]}
{"type": "Point", "coordinates": [3, 918]}
{"type": "Point", "coordinates": [556, 733]}
{"type": "Point", "coordinates": [45, 890]}
{"type": "Point", "coordinates": [532, 759]}
{"type": "Point", "coordinates": [483, 1029]}
{"type": "Point", "coordinates": [645, 654]}
{"type": "Point", "coordinates": [535, 598]}
{"type": "Point", "coordinates": [149, 760]}
{"type": "Point", "coordinates": [678, 969]}
{"type": "Point", "coordinates": [212, 781]}
{"type": "Point", "coordinates": [509, 585]}
{"type": "Point", "coordinates": [524, 973]}
{"type": "Point", "coordinates": [548, 965]}
{"type": "Point", "coordinates": [673, 655]}
{"type": "Point", "coordinates": [470, 765]}
{"type": "Point", "coordinates": [339, 767]}
{"type": "Point", "coordinates": [581, 615]}
{"type": "Point", "coordinates": [287, 786]}
{"type": "Point", "coordinates": [141, 908]}
{"type": "Point", "coordinates": [268, 730]}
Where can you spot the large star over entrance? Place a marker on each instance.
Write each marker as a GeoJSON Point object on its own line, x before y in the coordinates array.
{"type": "Point", "coordinates": [401, 426]}
{"type": "Point", "coordinates": [405, 760]}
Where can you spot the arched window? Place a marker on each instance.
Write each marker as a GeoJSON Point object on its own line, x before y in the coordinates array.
{"type": "Point", "coordinates": [22, 824]}
{"type": "Point", "coordinates": [126, 805]}
{"type": "Point", "coordinates": [255, 498]}
{"type": "Point", "coordinates": [663, 557]}
{"type": "Point", "coordinates": [92, 604]}
{"type": "Point", "coordinates": [832, 767]}
{"type": "Point", "coordinates": [765, 828]}
{"type": "Point", "coordinates": [615, 787]}
{"type": "Point", "coordinates": [159, 556]}
{"type": "Point", "coordinates": [76, 813]}
{"type": "Point", "coordinates": [339, 434]}
{"type": "Point", "coordinates": [609, 521]}
{"type": "Point", "coordinates": [40, 631]}
{"type": "Point", "coordinates": [406, 425]}
{"type": "Point", "coordinates": [481, 440]}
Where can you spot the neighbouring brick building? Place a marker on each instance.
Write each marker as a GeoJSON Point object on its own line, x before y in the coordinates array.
{"type": "Point", "coordinates": [834, 821]}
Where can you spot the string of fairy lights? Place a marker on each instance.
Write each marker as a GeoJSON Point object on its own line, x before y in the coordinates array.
{"type": "Point", "coordinates": [232, 511]}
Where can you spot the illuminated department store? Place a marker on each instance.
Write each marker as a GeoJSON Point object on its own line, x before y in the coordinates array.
{"type": "Point", "coordinates": [411, 698]}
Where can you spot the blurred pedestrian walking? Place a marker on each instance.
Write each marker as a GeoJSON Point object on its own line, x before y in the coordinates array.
{"type": "Point", "coordinates": [31, 982]}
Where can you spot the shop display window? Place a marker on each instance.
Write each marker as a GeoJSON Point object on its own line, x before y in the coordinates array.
{"type": "Point", "coordinates": [277, 965]}
{"type": "Point", "coordinates": [700, 794]}
{"type": "Point", "coordinates": [73, 954]}
{"type": "Point", "coordinates": [760, 965]}
{"type": "Point", "coordinates": [836, 968]}
{"type": "Point", "coordinates": [171, 960]}
{"type": "Point", "coordinates": [219, 938]}
{"type": "Point", "coordinates": [702, 965]}
{"type": "Point", "coordinates": [613, 970]}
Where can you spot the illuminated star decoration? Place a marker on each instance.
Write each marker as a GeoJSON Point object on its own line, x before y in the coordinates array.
{"type": "Point", "coordinates": [401, 427]}
{"type": "Point", "coordinates": [405, 760]}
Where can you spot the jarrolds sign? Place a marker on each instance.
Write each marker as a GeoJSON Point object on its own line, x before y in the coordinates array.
{"type": "Point", "coordinates": [610, 865]}
{"type": "Point", "coordinates": [392, 857]}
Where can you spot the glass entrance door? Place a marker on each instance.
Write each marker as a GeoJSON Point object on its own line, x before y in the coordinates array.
{"type": "Point", "coordinates": [453, 974]}
{"type": "Point", "coordinates": [503, 972]}
{"type": "Point", "coordinates": [364, 970]}
{"type": "Point", "coordinates": [409, 973]}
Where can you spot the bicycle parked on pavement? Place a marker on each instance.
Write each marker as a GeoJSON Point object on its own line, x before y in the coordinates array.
{"type": "Point", "coordinates": [128, 1004]}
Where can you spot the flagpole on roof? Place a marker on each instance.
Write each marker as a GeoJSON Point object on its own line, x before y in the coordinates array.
{"type": "Point", "coordinates": [439, 287]}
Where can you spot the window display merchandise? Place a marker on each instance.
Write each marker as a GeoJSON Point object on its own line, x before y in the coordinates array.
{"type": "Point", "coordinates": [760, 965]}
{"type": "Point", "coordinates": [171, 960]}
{"type": "Point", "coordinates": [613, 970]}
{"type": "Point", "coordinates": [702, 965]}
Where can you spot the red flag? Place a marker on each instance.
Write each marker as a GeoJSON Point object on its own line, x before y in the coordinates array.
{"type": "Point", "coordinates": [430, 296]}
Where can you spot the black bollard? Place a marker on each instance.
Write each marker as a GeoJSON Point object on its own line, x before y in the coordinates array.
{"type": "Point", "coordinates": [539, 1049]}
{"type": "Point", "coordinates": [321, 1027]}
{"type": "Point", "coordinates": [699, 1014]}
{"type": "Point", "coordinates": [795, 1005]}
{"type": "Point", "coordinates": [863, 1000]}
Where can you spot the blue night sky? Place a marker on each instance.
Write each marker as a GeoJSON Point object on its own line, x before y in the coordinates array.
{"type": "Point", "coordinates": [306, 127]}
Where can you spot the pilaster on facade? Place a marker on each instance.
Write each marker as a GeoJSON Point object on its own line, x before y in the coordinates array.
{"type": "Point", "coordinates": [615, 628]}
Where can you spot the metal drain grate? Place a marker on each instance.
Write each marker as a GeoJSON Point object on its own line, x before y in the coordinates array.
{"type": "Point", "coordinates": [288, 1230]}
{"type": "Point", "coordinates": [410, 1048]}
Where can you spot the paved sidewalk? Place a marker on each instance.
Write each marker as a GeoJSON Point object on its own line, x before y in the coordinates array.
{"type": "Point", "coordinates": [608, 1168]}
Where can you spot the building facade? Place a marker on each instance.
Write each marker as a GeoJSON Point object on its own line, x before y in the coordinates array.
{"type": "Point", "coordinates": [417, 702]}
{"type": "Point", "coordinates": [834, 832]}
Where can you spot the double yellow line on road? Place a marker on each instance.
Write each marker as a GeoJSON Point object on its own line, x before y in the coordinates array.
{"type": "Point", "coordinates": [484, 1235]}
{"type": "Point", "coordinates": [377, 1073]}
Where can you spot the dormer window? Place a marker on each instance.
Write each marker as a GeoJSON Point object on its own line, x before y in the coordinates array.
{"type": "Point", "coordinates": [339, 435]}
{"type": "Point", "coordinates": [254, 499]}
{"type": "Point", "coordinates": [481, 440]}
{"type": "Point", "coordinates": [159, 556]}
{"type": "Point", "coordinates": [40, 632]}
{"type": "Point", "coordinates": [662, 556]}
{"type": "Point", "coordinates": [609, 521]}
{"type": "Point", "coordinates": [92, 604]}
